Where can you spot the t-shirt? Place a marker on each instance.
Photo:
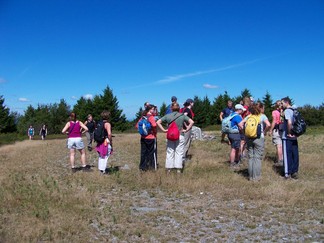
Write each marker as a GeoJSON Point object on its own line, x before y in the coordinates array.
{"type": "Point", "coordinates": [151, 135]}
{"type": "Point", "coordinates": [276, 116]}
{"type": "Point", "coordinates": [91, 126]}
{"type": "Point", "coordinates": [227, 111]}
{"type": "Point", "coordinates": [235, 121]}
{"type": "Point", "coordinates": [289, 115]}
{"type": "Point", "coordinates": [179, 121]}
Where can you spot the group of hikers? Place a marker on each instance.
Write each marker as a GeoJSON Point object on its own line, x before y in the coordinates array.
{"type": "Point", "coordinates": [244, 124]}
{"type": "Point", "coordinates": [248, 126]}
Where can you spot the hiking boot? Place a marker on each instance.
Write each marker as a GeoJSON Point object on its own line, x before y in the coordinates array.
{"type": "Point", "coordinates": [287, 177]}
{"type": "Point", "coordinates": [74, 170]}
{"type": "Point", "coordinates": [294, 176]}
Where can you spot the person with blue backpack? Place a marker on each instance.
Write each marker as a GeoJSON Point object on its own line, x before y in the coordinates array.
{"type": "Point", "coordinates": [234, 135]}
{"type": "Point", "coordinates": [225, 113]}
{"type": "Point", "coordinates": [147, 128]}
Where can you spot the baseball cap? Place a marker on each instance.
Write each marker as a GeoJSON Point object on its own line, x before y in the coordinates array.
{"type": "Point", "coordinates": [189, 101]}
{"type": "Point", "coordinates": [240, 107]}
{"type": "Point", "coordinates": [173, 99]}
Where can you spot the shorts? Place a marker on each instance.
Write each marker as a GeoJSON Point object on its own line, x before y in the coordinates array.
{"type": "Point", "coordinates": [235, 139]}
{"type": "Point", "coordinates": [276, 138]}
{"type": "Point", "coordinates": [75, 143]}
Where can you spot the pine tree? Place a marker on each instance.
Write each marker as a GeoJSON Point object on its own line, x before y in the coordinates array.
{"type": "Point", "coordinates": [7, 120]}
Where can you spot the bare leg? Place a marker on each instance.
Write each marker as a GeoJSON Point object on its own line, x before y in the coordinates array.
{"type": "Point", "coordinates": [72, 155]}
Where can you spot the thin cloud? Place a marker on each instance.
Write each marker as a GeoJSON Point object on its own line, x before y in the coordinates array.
{"type": "Point", "coordinates": [23, 100]}
{"type": "Point", "coordinates": [178, 77]}
{"type": "Point", "coordinates": [210, 86]}
{"type": "Point", "coordinates": [88, 96]}
{"type": "Point", "coordinates": [74, 98]}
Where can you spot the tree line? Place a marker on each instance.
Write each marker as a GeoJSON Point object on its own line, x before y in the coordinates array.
{"type": "Point", "coordinates": [54, 116]}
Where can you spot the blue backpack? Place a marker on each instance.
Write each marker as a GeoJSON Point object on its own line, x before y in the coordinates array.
{"type": "Point", "coordinates": [227, 124]}
{"type": "Point", "coordinates": [144, 127]}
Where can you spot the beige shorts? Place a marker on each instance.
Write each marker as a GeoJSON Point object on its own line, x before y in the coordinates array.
{"type": "Point", "coordinates": [276, 138]}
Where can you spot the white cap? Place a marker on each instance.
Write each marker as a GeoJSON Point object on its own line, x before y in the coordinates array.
{"type": "Point", "coordinates": [240, 107]}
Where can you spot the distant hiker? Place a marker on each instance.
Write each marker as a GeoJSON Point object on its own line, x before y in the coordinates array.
{"type": "Point", "coordinates": [187, 111]}
{"type": "Point", "coordinates": [276, 131]}
{"type": "Point", "coordinates": [90, 123]}
{"type": "Point", "coordinates": [146, 104]}
{"type": "Point", "coordinates": [255, 144]}
{"type": "Point", "coordinates": [105, 148]}
{"type": "Point", "coordinates": [43, 132]}
{"type": "Point", "coordinates": [31, 132]}
{"type": "Point", "coordinates": [225, 113]}
{"type": "Point", "coordinates": [235, 135]}
{"type": "Point", "coordinates": [175, 148]}
{"type": "Point", "coordinates": [168, 109]}
{"type": "Point", "coordinates": [148, 140]}
{"type": "Point", "coordinates": [74, 129]}
{"type": "Point", "coordinates": [289, 142]}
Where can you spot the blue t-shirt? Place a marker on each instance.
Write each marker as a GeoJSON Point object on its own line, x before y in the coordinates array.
{"type": "Point", "coordinates": [227, 111]}
{"type": "Point", "coordinates": [235, 121]}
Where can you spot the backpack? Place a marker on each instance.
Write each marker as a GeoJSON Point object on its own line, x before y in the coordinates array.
{"type": "Point", "coordinates": [252, 127]}
{"type": "Point", "coordinates": [99, 132]}
{"type": "Point", "coordinates": [144, 127]}
{"type": "Point", "coordinates": [173, 133]}
{"type": "Point", "coordinates": [227, 124]}
{"type": "Point", "coordinates": [299, 125]}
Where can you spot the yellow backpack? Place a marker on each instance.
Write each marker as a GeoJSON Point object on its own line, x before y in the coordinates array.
{"type": "Point", "coordinates": [252, 127]}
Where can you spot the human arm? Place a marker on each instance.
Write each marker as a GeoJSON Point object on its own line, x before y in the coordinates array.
{"type": "Point", "coordinates": [66, 127]}
{"type": "Point", "coordinates": [189, 125]}
{"type": "Point", "coordinates": [267, 127]}
{"type": "Point", "coordinates": [159, 124]}
{"type": "Point", "coordinates": [84, 127]}
{"type": "Point", "coordinates": [221, 115]}
{"type": "Point", "coordinates": [108, 129]}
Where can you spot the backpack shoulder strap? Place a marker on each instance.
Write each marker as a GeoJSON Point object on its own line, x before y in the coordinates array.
{"type": "Point", "coordinates": [176, 117]}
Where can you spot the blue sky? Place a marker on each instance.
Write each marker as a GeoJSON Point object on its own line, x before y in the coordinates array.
{"type": "Point", "coordinates": [151, 50]}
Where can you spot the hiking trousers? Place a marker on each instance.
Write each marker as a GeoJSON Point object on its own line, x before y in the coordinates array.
{"type": "Point", "coordinates": [174, 154]}
{"type": "Point", "coordinates": [148, 154]}
{"type": "Point", "coordinates": [290, 156]}
{"type": "Point", "coordinates": [255, 148]}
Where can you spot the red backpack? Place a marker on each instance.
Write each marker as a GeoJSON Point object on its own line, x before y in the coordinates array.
{"type": "Point", "coordinates": [173, 132]}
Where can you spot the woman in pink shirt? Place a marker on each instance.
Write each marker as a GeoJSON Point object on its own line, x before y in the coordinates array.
{"type": "Point", "coordinates": [74, 129]}
{"type": "Point", "coordinates": [275, 131]}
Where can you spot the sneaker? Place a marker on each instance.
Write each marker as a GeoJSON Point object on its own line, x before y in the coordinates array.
{"type": "Point", "coordinates": [287, 177]}
{"type": "Point", "coordinates": [74, 170]}
{"type": "Point", "coordinates": [294, 176]}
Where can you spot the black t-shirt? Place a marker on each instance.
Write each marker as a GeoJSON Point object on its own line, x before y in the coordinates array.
{"type": "Point", "coordinates": [91, 126]}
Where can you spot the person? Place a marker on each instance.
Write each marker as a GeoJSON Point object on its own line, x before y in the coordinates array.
{"type": "Point", "coordinates": [174, 151]}
{"type": "Point", "coordinates": [148, 142]}
{"type": "Point", "coordinates": [235, 137]}
{"type": "Point", "coordinates": [74, 129]}
{"type": "Point", "coordinates": [31, 132]}
{"type": "Point", "coordinates": [225, 113]}
{"type": "Point", "coordinates": [246, 104]}
{"type": "Point", "coordinates": [43, 132]}
{"type": "Point", "coordinates": [91, 125]}
{"type": "Point", "coordinates": [187, 111]}
{"type": "Point", "coordinates": [168, 109]}
{"type": "Point", "coordinates": [105, 149]}
{"type": "Point", "coordinates": [146, 104]}
{"type": "Point", "coordinates": [255, 146]}
{"type": "Point", "coordinates": [289, 142]}
{"type": "Point", "coordinates": [276, 131]}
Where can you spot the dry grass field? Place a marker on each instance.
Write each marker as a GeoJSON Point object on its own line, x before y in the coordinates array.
{"type": "Point", "coordinates": [42, 201]}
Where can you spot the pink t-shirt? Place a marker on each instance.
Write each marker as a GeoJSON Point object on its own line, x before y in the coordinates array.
{"type": "Point", "coordinates": [276, 116]}
{"type": "Point", "coordinates": [75, 130]}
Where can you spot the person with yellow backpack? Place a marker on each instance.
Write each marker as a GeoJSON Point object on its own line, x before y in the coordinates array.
{"type": "Point", "coordinates": [255, 126]}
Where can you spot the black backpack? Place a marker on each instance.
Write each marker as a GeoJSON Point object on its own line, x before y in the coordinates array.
{"type": "Point", "coordinates": [299, 125]}
{"type": "Point", "coordinates": [99, 132]}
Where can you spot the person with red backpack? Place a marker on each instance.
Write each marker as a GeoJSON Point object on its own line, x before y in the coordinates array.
{"type": "Point", "coordinates": [175, 139]}
{"type": "Point", "coordinates": [148, 141]}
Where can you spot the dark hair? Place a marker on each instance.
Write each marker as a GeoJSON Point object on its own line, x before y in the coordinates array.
{"type": "Point", "coordinates": [147, 109]}
{"type": "Point", "coordinates": [105, 115]}
{"type": "Point", "coordinates": [286, 100]}
{"type": "Point", "coordinates": [73, 116]}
